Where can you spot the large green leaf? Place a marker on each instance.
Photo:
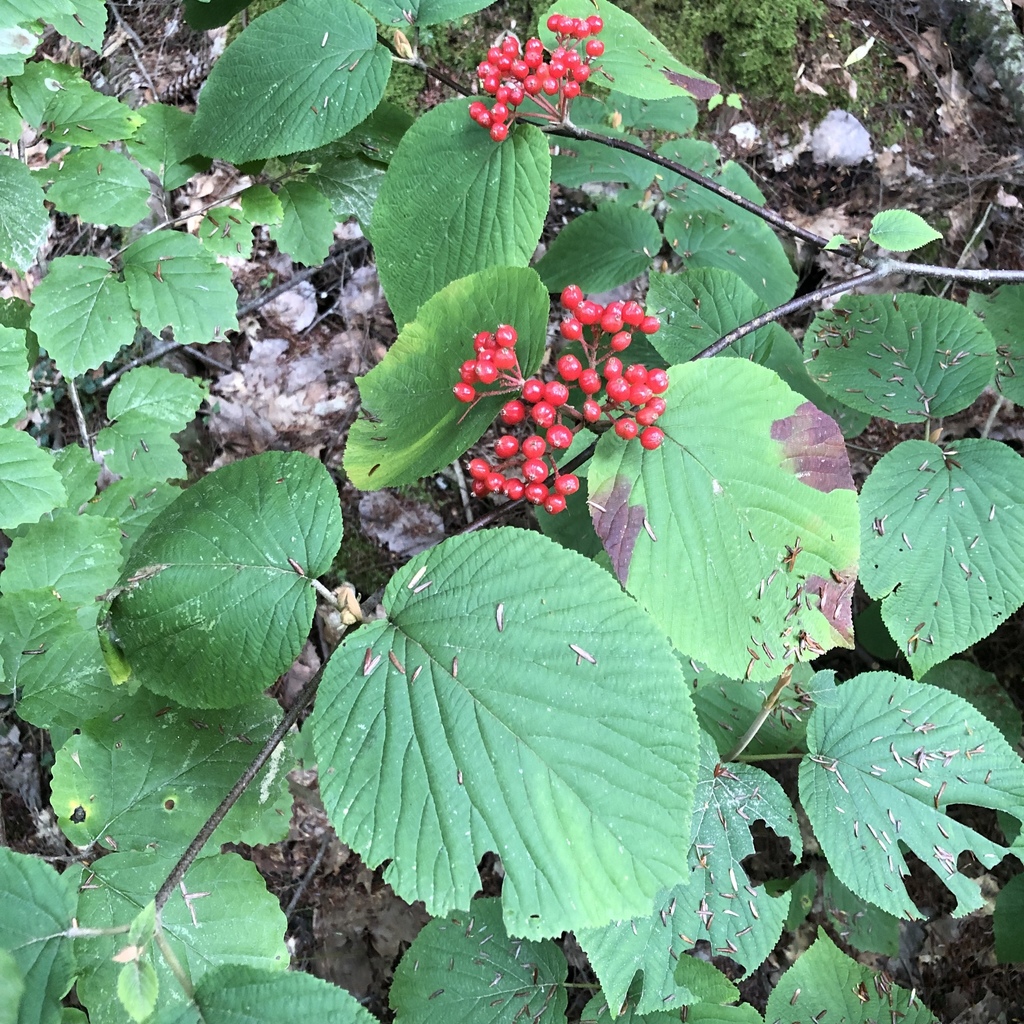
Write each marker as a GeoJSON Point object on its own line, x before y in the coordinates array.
{"type": "Point", "coordinates": [153, 775]}
{"type": "Point", "coordinates": [906, 359]}
{"type": "Point", "coordinates": [102, 186]}
{"type": "Point", "coordinates": [236, 994]}
{"type": "Point", "coordinates": [175, 282]}
{"type": "Point", "coordinates": [1003, 314]}
{"type": "Point", "coordinates": [403, 13]}
{"type": "Point", "coordinates": [37, 908]}
{"type": "Point", "coordinates": [307, 226]}
{"type": "Point", "coordinates": [602, 249]}
{"type": "Point", "coordinates": [29, 485]}
{"type": "Point", "coordinates": [466, 968]}
{"type": "Point", "coordinates": [739, 534]}
{"type": "Point", "coordinates": [13, 373]}
{"type": "Point", "coordinates": [216, 602]}
{"type": "Point", "coordinates": [350, 184]}
{"type": "Point", "coordinates": [862, 925]}
{"type": "Point", "coordinates": [162, 145]}
{"type": "Point", "coordinates": [81, 313]}
{"type": "Point", "coordinates": [477, 204]}
{"type": "Point", "coordinates": [516, 721]}
{"type": "Point", "coordinates": [635, 62]}
{"type": "Point", "coordinates": [86, 23]}
{"type": "Point", "coordinates": [24, 221]}
{"type": "Point", "coordinates": [883, 766]}
{"type": "Point", "coordinates": [414, 425]}
{"type": "Point", "coordinates": [12, 988]}
{"type": "Point", "coordinates": [299, 76]}
{"type": "Point", "coordinates": [578, 162]}
{"type": "Point", "coordinates": [716, 904]}
{"type": "Point", "coordinates": [226, 231]}
{"type": "Point", "coordinates": [983, 690]}
{"type": "Point", "coordinates": [1008, 921]}
{"type": "Point", "coordinates": [221, 914]}
{"type": "Point", "coordinates": [940, 532]}
{"type": "Point", "coordinates": [901, 230]}
{"type": "Point", "coordinates": [826, 985]}
{"type": "Point", "coordinates": [77, 115]}
{"type": "Point", "coordinates": [597, 1011]}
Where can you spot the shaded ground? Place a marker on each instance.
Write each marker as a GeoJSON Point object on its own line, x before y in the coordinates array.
{"type": "Point", "coordinates": [287, 381]}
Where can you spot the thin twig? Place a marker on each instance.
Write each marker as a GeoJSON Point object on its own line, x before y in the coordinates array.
{"type": "Point", "coordinates": [762, 716]}
{"type": "Point", "coordinates": [325, 841]}
{"type": "Point", "coordinates": [992, 414]}
{"type": "Point", "coordinates": [76, 403]}
{"type": "Point", "coordinates": [421, 65]}
{"type": "Point", "coordinates": [460, 480]}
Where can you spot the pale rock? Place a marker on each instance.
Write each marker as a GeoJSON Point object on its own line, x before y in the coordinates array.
{"type": "Point", "coordinates": [841, 140]}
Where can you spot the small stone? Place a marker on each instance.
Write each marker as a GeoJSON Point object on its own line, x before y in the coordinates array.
{"type": "Point", "coordinates": [841, 140]}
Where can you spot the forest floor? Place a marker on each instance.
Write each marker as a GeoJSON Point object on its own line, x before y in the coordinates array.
{"type": "Point", "coordinates": [943, 147]}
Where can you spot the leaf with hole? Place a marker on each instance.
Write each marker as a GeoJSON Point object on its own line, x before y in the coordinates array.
{"type": "Point", "coordinates": [881, 770]}
{"type": "Point", "coordinates": [588, 803]}
{"type": "Point", "coordinates": [940, 533]}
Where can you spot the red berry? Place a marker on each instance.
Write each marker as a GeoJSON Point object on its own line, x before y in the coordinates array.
{"type": "Point", "coordinates": [555, 23]}
{"type": "Point", "coordinates": [549, 85]}
{"type": "Point", "coordinates": [513, 412]}
{"type": "Point", "coordinates": [554, 503]}
{"type": "Point", "coordinates": [520, 69]}
{"type": "Point", "coordinates": [621, 341]}
{"type": "Point", "coordinates": [594, 48]}
{"type": "Point", "coordinates": [499, 112]}
{"type": "Point", "coordinates": [569, 367]}
{"type": "Point", "coordinates": [482, 341]}
{"type": "Point", "coordinates": [535, 470]}
{"type": "Point", "coordinates": [580, 28]}
{"type": "Point", "coordinates": [591, 411]}
{"type": "Point", "coordinates": [589, 312]}
{"type": "Point", "coordinates": [590, 382]}
{"type": "Point", "coordinates": [467, 371]}
{"type": "Point", "coordinates": [543, 414]}
{"type": "Point", "coordinates": [612, 368]}
{"type": "Point", "coordinates": [504, 63]}
{"type": "Point", "coordinates": [533, 390]}
{"type": "Point", "coordinates": [491, 84]}
{"type": "Point", "coordinates": [639, 394]}
{"type": "Point", "coordinates": [505, 358]}
{"type": "Point", "coordinates": [657, 380]}
{"type": "Point", "coordinates": [464, 392]}
{"type": "Point", "coordinates": [636, 373]}
{"type": "Point", "coordinates": [567, 483]}
{"type": "Point", "coordinates": [495, 482]}
{"type": "Point", "coordinates": [514, 489]}
{"type": "Point", "coordinates": [611, 321]}
{"type": "Point", "coordinates": [487, 356]}
{"type": "Point", "coordinates": [572, 295]}
{"type": "Point", "coordinates": [510, 46]}
{"type": "Point", "coordinates": [618, 389]}
{"type": "Point", "coordinates": [535, 493]}
{"type": "Point", "coordinates": [531, 85]}
{"type": "Point", "coordinates": [570, 91]}
{"type": "Point", "coordinates": [479, 488]}
{"type": "Point", "coordinates": [559, 436]}
{"type": "Point", "coordinates": [571, 329]}
{"type": "Point", "coordinates": [484, 120]}
{"type": "Point", "coordinates": [651, 438]}
{"type": "Point", "coordinates": [627, 428]}
{"type": "Point", "coordinates": [499, 132]}
{"type": "Point", "coordinates": [557, 67]}
{"type": "Point", "coordinates": [479, 468]}
{"type": "Point", "coordinates": [534, 446]}
{"type": "Point", "coordinates": [556, 392]}
{"type": "Point", "coordinates": [486, 372]}
{"type": "Point", "coordinates": [632, 313]}
{"type": "Point", "coordinates": [515, 95]}
{"type": "Point", "coordinates": [646, 416]}
{"type": "Point", "coordinates": [502, 94]}
{"type": "Point", "coordinates": [657, 405]}
{"type": "Point", "coordinates": [580, 74]}
{"type": "Point", "coordinates": [476, 109]}
{"type": "Point", "coordinates": [595, 23]}
{"type": "Point", "coordinates": [506, 335]}
{"type": "Point", "coordinates": [650, 325]}
{"type": "Point", "coordinates": [506, 446]}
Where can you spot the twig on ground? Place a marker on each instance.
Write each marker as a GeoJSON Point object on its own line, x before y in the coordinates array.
{"type": "Point", "coordinates": [325, 841]}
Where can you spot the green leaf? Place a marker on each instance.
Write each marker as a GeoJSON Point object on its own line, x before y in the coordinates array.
{"type": "Point", "coordinates": [588, 803]}
{"type": "Point", "coordinates": [307, 226]}
{"type": "Point", "coordinates": [749, 473]}
{"type": "Point", "coordinates": [597, 1011]}
{"type": "Point", "coordinates": [701, 306]}
{"type": "Point", "coordinates": [635, 62]}
{"type": "Point", "coordinates": [29, 485]}
{"type": "Point", "coordinates": [328, 72]}
{"type": "Point", "coordinates": [478, 204]}
{"type": "Point", "coordinates": [54, 660]}
{"type": "Point", "coordinates": [11, 121]}
{"type": "Point", "coordinates": [981, 689]}
{"type": "Point", "coordinates": [824, 979]}
{"type": "Point", "coordinates": [857, 923]}
{"type": "Point", "coordinates": [351, 185]}
{"type": "Point", "coordinates": [414, 424]}
{"type": "Point", "coordinates": [35, 88]}
{"type": "Point", "coordinates": [465, 967]}
{"type": "Point", "coordinates": [133, 503]}
{"type": "Point", "coordinates": [226, 231]}
{"type": "Point", "coordinates": [579, 162]}
{"type": "Point", "coordinates": [404, 13]}
{"type": "Point", "coordinates": [101, 186]}
{"type": "Point", "coordinates": [261, 205]}
{"type": "Point", "coordinates": [14, 380]}
{"type": "Point", "coordinates": [222, 553]}
{"type": "Point", "coordinates": [1008, 921]}
{"type": "Point", "coordinates": [907, 359]}
{"type": "Point", "coordinates": [143, 926]}
{"type": "Point", "coordinates": [81, 313]}
{"type": "Point", "coordinates": [137, 988]}
{"type": "Point", "coordinates": [227, 916]}
{"type": "Point", "coordinates": [235, 994]}
{"type": "Point", "coordinates": [725, 806]}
{"type": "Point", "coordinates": [880, 771]}
{"type": "Point", "coordinates": [17, 43]}
{"type": "Point", "coordinates": [12, 988]}
{"type": "Point", "coordinates": [175, 282]}
{"type": "Point", "coordinates": [37, 906]}
{"type": "Point", "coordinates": [77, 115]}
{"type": "Point", "coordinates": [677, 114]}
{"type": "Point", "coordinates": [154, 775]}
{"type": "Point", "coordinates": [85, 24]}
{"type": "Point", "coordinates": [940, 534]}
{"type": "Point", "coordinates": [901, 231]}
{"type": "Point", "coordinates": [601, 250]}
{"type": "Point", "coordinates": [148, 405]}
{"type": "Point", "coordinates": [204, 15]}
{"type": "Point", "coordinates": [24, 221]}
{"type": "Point", "coordinates": [1003, 314]}
{"type": "Point", "coordinates": [162, 145]}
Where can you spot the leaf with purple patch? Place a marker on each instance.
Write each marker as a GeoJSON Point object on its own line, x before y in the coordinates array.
{"type": "Point", "coordinates": [738, 533]}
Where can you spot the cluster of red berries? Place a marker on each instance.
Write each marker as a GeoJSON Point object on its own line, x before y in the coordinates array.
{"type": "Point", "coordinates": [632, 398]}
{"type": "Point", "coordinates": [511, 75]}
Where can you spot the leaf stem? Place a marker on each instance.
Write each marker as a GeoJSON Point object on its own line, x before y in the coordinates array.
{"type": "Point", "coordinates": [172, 961]}
{"type": "Point", "coordinates": [762, 715]}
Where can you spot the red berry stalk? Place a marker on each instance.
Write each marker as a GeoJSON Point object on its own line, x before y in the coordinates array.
{"type": "Point", "coordinates": [629, 398]}
{"type": "Point", "coordinates": [512, 75]}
